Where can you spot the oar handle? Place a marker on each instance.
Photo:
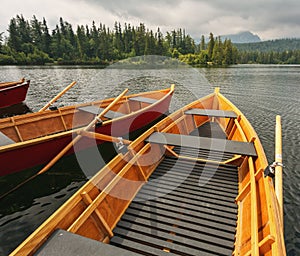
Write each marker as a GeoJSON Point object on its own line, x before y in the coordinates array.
{"type": "Point", "coordinates": [57, 96]}
{"type": "Point", "coordinates": [103, 137]}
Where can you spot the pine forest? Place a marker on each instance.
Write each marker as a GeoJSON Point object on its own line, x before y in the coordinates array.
{"type": "Point", "coordinates": [30, 42]}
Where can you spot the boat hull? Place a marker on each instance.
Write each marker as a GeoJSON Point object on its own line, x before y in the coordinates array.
{"type": "Point", "coordinates": [195, 198]}
{"type": "Point", "coordinates": [36, 152]}
{"type": "Point", "coordinates": [12, 95]}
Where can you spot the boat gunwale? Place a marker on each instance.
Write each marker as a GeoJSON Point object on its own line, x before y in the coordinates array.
{"type": "Point", "coordinates": [8, 84]}
{"type": "Point", "coordinates": [11, 87]}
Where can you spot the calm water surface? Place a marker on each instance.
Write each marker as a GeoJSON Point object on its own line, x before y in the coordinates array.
{"type": "Point", "coordinates": [260, 91]}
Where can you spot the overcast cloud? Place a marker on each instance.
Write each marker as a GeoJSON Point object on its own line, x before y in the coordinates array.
{"type": "Point", "coordinates": [270, 19]}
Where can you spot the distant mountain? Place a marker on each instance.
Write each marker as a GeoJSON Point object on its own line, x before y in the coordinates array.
{"type": "Point", "coordinates": [242, 37]}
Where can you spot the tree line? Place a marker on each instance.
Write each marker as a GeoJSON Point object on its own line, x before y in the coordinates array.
{"type": "Point", "coordinates": [31, 42]}
{"type": "Point", "coordinates": [279, 51]}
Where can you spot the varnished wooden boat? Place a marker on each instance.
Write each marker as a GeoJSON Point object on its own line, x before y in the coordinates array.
{"type": "Point", "coordinates": [36, 138]}
{"type": "Point", "coordinates": [193, 184]}
{"type": "Point", "coordinates": [12, 93]}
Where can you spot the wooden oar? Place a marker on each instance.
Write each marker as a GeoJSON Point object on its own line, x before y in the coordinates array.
{"type": "Point", "coordinates": [78, 137]}
{"type": "Point", "coordinates": [57, 96]}
{"type": "Point", "coordinates": [278, 168]}
{"type": "Point", "coordinates": [104, 137]}
{"type": "Point", "coordinates": [69, 146]}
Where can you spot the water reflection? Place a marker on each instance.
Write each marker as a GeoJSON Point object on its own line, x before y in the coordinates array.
{"type": "Point", "coordinates": [17, 109]}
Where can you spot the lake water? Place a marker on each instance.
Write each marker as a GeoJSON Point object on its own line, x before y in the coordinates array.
{"type": "Point", "coordinates": [260, 91]}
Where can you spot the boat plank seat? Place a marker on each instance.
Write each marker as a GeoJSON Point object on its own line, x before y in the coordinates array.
{"type": "Point", "coordinates": [4, 140]}
{"type": "Point", "coordinates": [221, 145]}
{"type": "Point", "coordinates": [143, 99]}
{"type": "Point", "coordinates": [65, 243]}
{"type": "Point", "coordinates": [96, 111]}
{"type": "Point", "coordinates": [211, 113]}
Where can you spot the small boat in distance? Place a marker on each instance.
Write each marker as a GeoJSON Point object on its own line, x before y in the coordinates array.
{"type": "Point", "coordinates": [193, 184]}
{"type": "Point", "coordinates": [36, 138]}
{"type": "Point", "coordinates": [12, 93]}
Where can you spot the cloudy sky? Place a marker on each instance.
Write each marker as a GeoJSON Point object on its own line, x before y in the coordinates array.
{"type": "Point", "coordinates": [269, 19]}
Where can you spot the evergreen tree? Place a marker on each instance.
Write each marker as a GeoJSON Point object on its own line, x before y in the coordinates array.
{"type": "Point", "coordinates": [140, 39]}
{"type": "Point", "coordinates": [118, 40]}
{"type": "Point", "coordinates": [189, 45]}
{"type": "Point", "coordinates": [217, 55]}
{"type": "Point", "coordinates": [174, 40]}
{"type": "Point", "coordinates": [150, 45]}
{"type": "Point", "coordinates": [82, 42]}
{"type": "Point", "coordinates": [24, 30]}
{"type": "Point", "coordinates": [228, 50]}
{"type": "Point", "coordinates": [94, 41]}
{"type": "Point", "coordinates": [71, 35]}
{"type": "Point", "coordinates": [62, 27]}
{"type": "Point", "coordinates": [127, 38]}
{"type": "Point", "coordinates": [46, 38]}
{"type": "Point", "coordinates": [105, 45]}
{"type": "Point", "coordinates": [160, 43]}
{"type": "Point", "coordinates": [36, 32]}
{"type": "Point", "coordinates": [202, 43]}
{"type": "Point", "coordinates": [1, 41]}
{"type": "Point", "coordinates": [168, 40]}
{"type": "Point", "coordinates": [56, 43]}
{"type": "Point", "coordinates": [14, 39]}
{"type": "Point", "coordinates": [210, 46]}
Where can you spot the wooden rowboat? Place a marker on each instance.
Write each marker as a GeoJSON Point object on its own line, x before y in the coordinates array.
{"type": "Point", "coordinates": [44, 134]}
{"type": "Point", "coordinates": [193, 184]}
{"type": "Point", "coordinates": [12, 93]}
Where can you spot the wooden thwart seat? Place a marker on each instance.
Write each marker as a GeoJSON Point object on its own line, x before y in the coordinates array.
{"type": "Point", "coordinates": [66, 243]}
{"type": "Point", "coordinates": [96, 110]}
{"type": "Point", "coordinates": [222, 145]}
{"type": "Point", "coordinates": [143, 99]}
{"type": "Point", "coordinates": [211, 113]}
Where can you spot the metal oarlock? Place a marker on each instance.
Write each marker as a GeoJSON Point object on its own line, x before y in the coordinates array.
{"type": "Point", "coordinates": [99, 122]}
{"type": "Point", "coordinates": [121, 145]}
{"type": "Point", "coordinates": [270, 169]}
